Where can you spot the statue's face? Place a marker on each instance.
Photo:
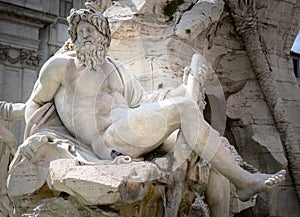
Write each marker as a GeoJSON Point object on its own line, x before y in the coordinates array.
{"type": "Point", "coordinates": [90, 49]}
{"type": "Point", "coordinates": [87, 35]}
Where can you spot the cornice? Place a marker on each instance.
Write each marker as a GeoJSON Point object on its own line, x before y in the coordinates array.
{"type": "Point", "coordinates": [27, 13]}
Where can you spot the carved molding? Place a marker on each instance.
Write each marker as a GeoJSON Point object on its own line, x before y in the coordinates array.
{"type": "Point", "coordinates": [25, 13]}
{"type": "Point", "coordinates": [25, 57]}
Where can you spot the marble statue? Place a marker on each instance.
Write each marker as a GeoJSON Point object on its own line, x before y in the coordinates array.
{"type": "Point", "coordinates": [88, 106]}
{"type": "Point", "coordinates": [9, 112]}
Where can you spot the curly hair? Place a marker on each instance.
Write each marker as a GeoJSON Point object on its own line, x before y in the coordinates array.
{"type": "Point", "coordinates": [93, 17]}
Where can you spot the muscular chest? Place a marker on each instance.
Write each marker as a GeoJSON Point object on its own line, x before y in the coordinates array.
{"type": "Point", "coordinates": [90, 83]}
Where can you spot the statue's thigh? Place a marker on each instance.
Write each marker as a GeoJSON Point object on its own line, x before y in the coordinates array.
{"type": "Point", "coordinates": [146, 126]}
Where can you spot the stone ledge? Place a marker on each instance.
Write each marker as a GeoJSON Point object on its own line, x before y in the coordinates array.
{"type": "Point", "coordinates": [33, 15]}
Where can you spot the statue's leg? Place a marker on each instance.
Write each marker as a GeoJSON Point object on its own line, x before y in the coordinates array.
{"type": "Point", "coordinates": [143, 129]}
{"type": "Point", "coordinates": [218, 194]}
{"type": "Point", "coordinates": [140, 130]}
{"type": "Point", "coordinates": [247, 184]}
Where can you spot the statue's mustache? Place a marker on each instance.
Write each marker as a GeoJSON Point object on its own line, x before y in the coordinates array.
{"type": "Point", "coordinates": [88, 40]}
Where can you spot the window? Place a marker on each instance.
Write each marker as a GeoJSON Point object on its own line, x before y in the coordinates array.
{"type": "Point", "coordinates": [296, 64]}
{"type": "Point", "coordinates": [64, 7]}
{"type": "Point", "coordinates": [295, 53]}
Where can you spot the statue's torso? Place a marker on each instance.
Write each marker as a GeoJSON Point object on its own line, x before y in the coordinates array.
{"type": "Point", "coordinates": [88, 102]}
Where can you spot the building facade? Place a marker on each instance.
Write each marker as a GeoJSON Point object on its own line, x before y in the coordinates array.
{"type": "Point", "coordinates": [30, 32]}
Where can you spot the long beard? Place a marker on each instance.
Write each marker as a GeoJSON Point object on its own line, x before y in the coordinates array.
{"type": "Point", "coordinates": [92, 57]}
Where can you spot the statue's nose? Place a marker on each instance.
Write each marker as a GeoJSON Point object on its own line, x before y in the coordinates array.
{"type": "Point", "coordinates": [85, 34]}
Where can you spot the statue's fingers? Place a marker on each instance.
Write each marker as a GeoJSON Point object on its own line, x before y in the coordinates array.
{"type": "Point", "coordinates": [31, 151]}
{"type": "Point", "coordinates": [25, 153]}
{"type": "Point", "coordinates": [27, 156]}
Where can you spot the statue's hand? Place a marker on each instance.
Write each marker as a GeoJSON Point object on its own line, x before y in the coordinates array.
{"type": "Point", "coordinates": [30, 146]}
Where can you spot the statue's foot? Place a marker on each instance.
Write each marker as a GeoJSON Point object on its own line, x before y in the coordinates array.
{"type": "Point", "coordinates": [259, 183]}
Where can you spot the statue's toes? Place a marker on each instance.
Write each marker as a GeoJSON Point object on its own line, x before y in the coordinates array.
{"type": "Point", "coordinates": [281, 175]}
{"type": "Point", "coordinates": [276, 178]}
{"type": "Point", "coordinates": [270, 182]}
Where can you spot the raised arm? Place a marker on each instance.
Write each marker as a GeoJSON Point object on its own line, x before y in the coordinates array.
{"type": "Point", "coordinates": [47, 84]}
{"type": "Point", "coordinates": [194, 77]}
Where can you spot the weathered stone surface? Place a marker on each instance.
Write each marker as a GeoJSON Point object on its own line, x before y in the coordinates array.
{"type": "Point", "coordinates": [198, 19]}
{"type": "Point", "coordinates": [266, 137]}
{"type": "Point", "coordinates": [292, 110]}
{"type": "Point", "coordinates": [103, 184]}
{"type": "Point", "coordinates": [123, 10]}
{"type": "Point", "coordinates": [286, 94]}
{"type": "Point", "coordinates": [249, 105]}
{"type": "Point", "coordinates": [59, 207]}
{"type": "Point", "coordinates": [26, 179]}
{"type": "Point", "coordinates": [26, 176]}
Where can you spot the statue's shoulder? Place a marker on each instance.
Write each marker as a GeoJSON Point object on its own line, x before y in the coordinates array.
{"type": "Point", "coordinates": [57, 67]}
{"type": "Point", "coordinates": [60, 62]}
{"type": "Point", "coordinates": [64, 58]}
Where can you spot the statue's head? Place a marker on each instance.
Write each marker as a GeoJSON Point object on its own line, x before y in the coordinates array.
{"type": "Point", "coordinates": [93, 17]}
{"type": "Point", "coordinates": [91, 48]}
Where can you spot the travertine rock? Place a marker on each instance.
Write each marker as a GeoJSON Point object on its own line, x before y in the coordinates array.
{"type": "Point", "coordinates": [60, 207]}
{"type": "Point", "coordinates": [103, 184]}
{"type": "Point", "coordinates": [199, 18]}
